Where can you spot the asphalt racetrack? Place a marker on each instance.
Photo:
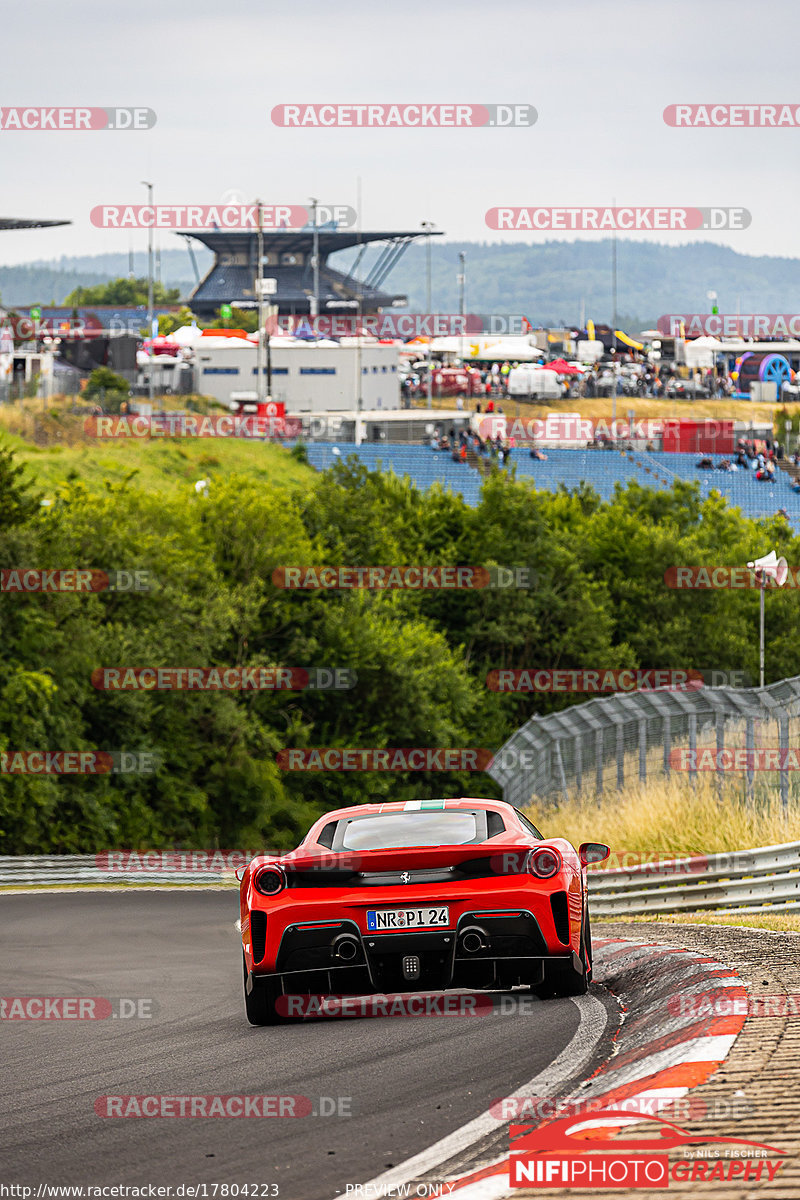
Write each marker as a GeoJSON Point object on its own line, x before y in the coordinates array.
{"type": "Point", "coordinates": [395, 1085]}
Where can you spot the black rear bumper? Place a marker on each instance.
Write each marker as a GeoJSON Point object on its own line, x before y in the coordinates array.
{"type": "Point", "coordinates": [485, 950]}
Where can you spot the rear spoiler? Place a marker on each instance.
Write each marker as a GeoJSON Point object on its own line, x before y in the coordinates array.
{"type": "Point", "coordinates": [510, 858]}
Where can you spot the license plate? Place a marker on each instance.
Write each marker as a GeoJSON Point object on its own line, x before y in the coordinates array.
{"type": "Point", "coordinates": [382, 919]}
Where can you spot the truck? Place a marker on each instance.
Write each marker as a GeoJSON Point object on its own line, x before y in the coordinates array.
{"type": "Point", "coordinates": [534, 382]}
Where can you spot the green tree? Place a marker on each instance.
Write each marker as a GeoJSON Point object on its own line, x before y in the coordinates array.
{"type": "Point", "coordinates": [18, 502]}
{"type": "Point", "coordinates": [123, 291]}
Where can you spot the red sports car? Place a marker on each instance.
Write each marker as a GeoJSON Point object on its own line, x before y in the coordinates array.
{"type": "Point", "coordinates": [416, 896]}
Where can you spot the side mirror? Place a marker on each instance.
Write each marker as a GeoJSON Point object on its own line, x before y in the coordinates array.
{"type": "Point", "coordinates": [592, 852]}
{"type": "Point", "coordinates": [236, 873]}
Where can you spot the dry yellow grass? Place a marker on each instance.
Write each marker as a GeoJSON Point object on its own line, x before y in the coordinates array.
{"type": "Point", "coordinates": [672, 818]}
{"type": "Point", "coordinates": [602, 408]}
{"type": "Point", "coordinates": [645, 409]}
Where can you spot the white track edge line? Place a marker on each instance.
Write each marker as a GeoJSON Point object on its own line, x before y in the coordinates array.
{"type": "Point", "coordinates": [593, 1021]}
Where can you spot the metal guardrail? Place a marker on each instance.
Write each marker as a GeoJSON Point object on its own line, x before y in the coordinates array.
{"type": "Point", "coordinates": [604, 744]}
{"type": "Point", "coordinates": [61, 869]}
{"type": "Point", "coordinates": [766, 879]}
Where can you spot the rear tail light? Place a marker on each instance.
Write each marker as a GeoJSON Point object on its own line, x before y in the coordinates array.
{"type": "Point", "coordinates": [544, 863]}
{"type": "Point", "coordinates": [270, 880]}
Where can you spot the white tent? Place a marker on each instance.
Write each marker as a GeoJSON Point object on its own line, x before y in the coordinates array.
{"type": "Point", "coordinates": [472, 346]}
{"type": "Point", "coordinates": [705, 343]}
{"type": "Point", "coordinates": [187, 335]}
{"type": "Point", "coordinates": [702, 351]}
{"type": "Point", "coordinates": [511, 351]}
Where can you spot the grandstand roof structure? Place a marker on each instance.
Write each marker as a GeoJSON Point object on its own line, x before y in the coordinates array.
{"type": "Point", "coordinates": [28, 223]}
{"type": "Point", "coordinates": [288, 255]}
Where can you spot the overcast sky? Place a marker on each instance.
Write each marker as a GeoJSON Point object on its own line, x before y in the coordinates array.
{"type": "Point", "coordinates": [599, 74]}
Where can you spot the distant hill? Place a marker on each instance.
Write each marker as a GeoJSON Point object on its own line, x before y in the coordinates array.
{"type": "Point", "coordinates": [48, 282]}
{"type": "Point", "coordinates": [551, 283]}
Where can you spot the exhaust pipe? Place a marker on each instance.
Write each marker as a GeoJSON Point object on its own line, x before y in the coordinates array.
{"type": "Point", "coordinates": [474, 939]}
{"type": "Point", "coordinates": [345, 947]}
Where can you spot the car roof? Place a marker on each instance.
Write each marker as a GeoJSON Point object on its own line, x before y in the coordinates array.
{"type": "Point", "coordinates": [361, 810]}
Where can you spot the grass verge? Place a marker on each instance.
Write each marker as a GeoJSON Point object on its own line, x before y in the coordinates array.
{"type": "Point", "coordinates": [673, 818]}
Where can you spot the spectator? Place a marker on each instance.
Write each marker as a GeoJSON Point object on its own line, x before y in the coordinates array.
{"type": "Point", "coordinates": [705, 464]}
{"type": "Point", "coordinates": [462, 454]}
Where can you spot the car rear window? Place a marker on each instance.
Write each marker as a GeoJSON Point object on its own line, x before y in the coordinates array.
{"type": "Point", "coordinates": [393, 830]}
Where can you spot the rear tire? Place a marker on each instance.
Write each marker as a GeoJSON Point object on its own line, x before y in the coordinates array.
{"type": "Point", "coordinates": [259, 1004]}
{"type": "Point", "coordinates": [562, 979]}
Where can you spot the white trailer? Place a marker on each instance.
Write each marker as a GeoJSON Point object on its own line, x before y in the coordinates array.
{"type": "Point", "coordinates": [534, 381]}
{"type": "Point", "coordinates": [307, 377]}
